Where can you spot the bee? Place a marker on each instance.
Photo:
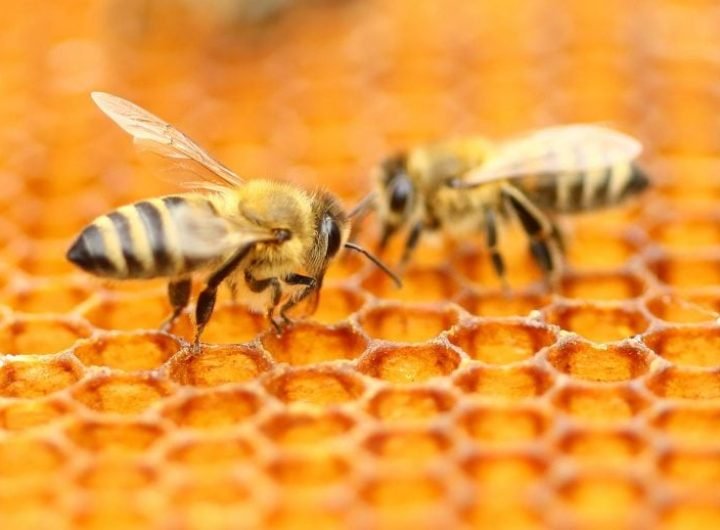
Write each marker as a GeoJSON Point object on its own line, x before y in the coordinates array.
{"type": "Point", "coordinates": [275, 237]}
{"type": "Point", "coordinates": [468, 185]}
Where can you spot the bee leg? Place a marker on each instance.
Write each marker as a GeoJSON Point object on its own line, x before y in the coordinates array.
{"type": "Point", "coordinates": [541, 231]}
{"type": "Point", "coordinates": [233, 287]}
{"type": "Point", "coordinates": [179, 295]}
{"type": "Point", "coordinates": [411, 243]}
{"type": "Point", "coordinates": [311, 285]}
{"type": "Point", "coordinates": [206, 300]}
{"type": "Point", "coordinates": [491, 236]}
{"type": "Point", "coordinates": [387, 233]}
{"type": "Point", "coordinates": [258, 286]}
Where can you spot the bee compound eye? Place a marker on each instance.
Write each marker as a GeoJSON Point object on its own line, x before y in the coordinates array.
{"type": "Point", "coordinates": [282, 234]}
{"type": "Point", "coordinates": [333, 237]}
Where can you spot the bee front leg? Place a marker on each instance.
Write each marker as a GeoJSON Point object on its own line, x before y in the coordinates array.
{"type": "Point", "coordinates": [311, 285]}
{"type": "Point", "coordinates": [258, 286]}
{"type": "Point", "coordinates": [491, 236]}
{"type": "Point", "coordinates": [179, 296]}
{"type": "Point", "coordinates": [206, 300]}
{"type": "Point", "coordinates": [411, 243]}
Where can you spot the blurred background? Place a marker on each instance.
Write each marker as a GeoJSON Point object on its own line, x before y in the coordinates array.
{"type": "Point", "coordinates": [316, 92]}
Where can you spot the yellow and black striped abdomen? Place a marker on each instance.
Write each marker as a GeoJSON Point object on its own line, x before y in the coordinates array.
{"type": "Point", "coordinates": [586, 190]}
{"type": "Point", "coordinates": [140, 240]}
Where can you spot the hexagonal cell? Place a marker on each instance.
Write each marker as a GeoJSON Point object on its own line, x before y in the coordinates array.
{"type": "Point", "coordinates": [128, 351]}
{"type": "Point", "coordinates": [303, 471]}
{"type": "Point", "coordinates": [316, 515]}
{"type": "Point", "coordinates": [476, 267]}
{"type": "Point", "coordinates": [407, 323]}
{"type": "Point", "coordinates": [502, 341]}
{"type": "Point", "coordinates": [603, 286]}
{"type": "Point", "coordinates": [110, 473]}
{"type": "Point", "coordinates": [37, 335]}
{"type": "Point", "coordinates": [685, 232]}
{"type": "Point", "coordinates": [347, 265]}
{"type": "Point", "coordinates": [31, 379]}
{"type": "Point", "coordinates": [41, 257]}
{"type": "Point", "coordinates": [685, 383]}
{"type": "Point", "coordinates": [59, 295]}
{"type": "Point", "coordinates": [307, 430]}
{"type": "Point", "coordinates": [504, 426]}
{"type": "Point", "coordinates": [337, 303]}
{"type": "Point", "coordinates": [691, 468]}
{"type": "Point", "coordinates": [599, 404]}
{"type": "Point", "coordinates": [22, 414]}
{"type": "Point", "coordinates": [419, 285]}
{"type": "Point", "coordinates": [317, 385]}
{"type": "Point", "coordinates": [216, 365]}
{"type": "Point", "coordinates": [128, 311]}
{"type": "Point", "coordinates": [684, 271]}
{"type": "Point", "coordinates": [599, 323]}
{"type": "Point", "coordinates": [504, 382]}
{"type": "Point", "coordinates": [514, 513]}
{"type": "Point", "coordinates": [230, 324]}
{"type": "Point", "coordinates": [689, 346]}
{"type": "Point", "coordinates": [210, 451]}
{"type": "Point", "coordinates": [615, 362]}
{"type": "Point", "coordinates": [307, 343]}
{"type": "Point", "coordinates": [124, 509]}
{"type": "Point", "coordinates": [217, 408]}
{"type": "Point", "coordinates": [597, 247]}
{"type": "Point", "coordinates": [28, 456]}
{"type": "Point", "coordinates": [692, 425]}
{"type": "Point", "coordinates": [501, 304]}
{"type": "Point", "coordinates": [114, 436]}
{"type": "Point", "coordinates": [608, 447]}
{"type": "Point", "coordinates": [685, 309]}
{"type": "Point", "coordinates": [121, 394]}
{"type": "Point", "coordinates": [397, 497]}
{"type": "Point", "coordinates": [606, 499]}
{"type": "Point", "coordinates": [410, 404]}
{"type": "Point", "coordinates": [508, 472]}
{"type": "Point", "coordinates": [693, 513]}
{"type": "Point", "coordinates": [409, 364]}
{"type": "Point", "coordinates": [409, 445]}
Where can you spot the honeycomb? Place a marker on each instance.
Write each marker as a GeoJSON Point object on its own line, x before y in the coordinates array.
{"type": "Point", "coordinates": [447, 404]}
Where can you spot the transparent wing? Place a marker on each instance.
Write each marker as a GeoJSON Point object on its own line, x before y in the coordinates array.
{"type": "Point", "coordinates": [156, 135]}
{"type": "Point", "coordinates": [556, 150]}
{"type": "Point", "coordinates": [205, 236]}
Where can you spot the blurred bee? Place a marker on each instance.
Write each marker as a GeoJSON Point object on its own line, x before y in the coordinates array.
{"type": "Point", "coordinates": [274, 237]}
{"type": "Point", "coordinates": [467, 185]}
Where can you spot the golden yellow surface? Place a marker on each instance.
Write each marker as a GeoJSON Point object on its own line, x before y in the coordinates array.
{"type": "Point", "coordinates": [443, 405]}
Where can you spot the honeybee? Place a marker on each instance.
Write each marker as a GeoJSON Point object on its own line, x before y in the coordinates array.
{"type": "Point", "coordinates": [274, 237]}
{"type": "Point", "coordinates": [467, 185]}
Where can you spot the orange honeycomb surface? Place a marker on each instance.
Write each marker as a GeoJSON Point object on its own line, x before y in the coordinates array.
{"type": "Point", "coordinates": [447, 404]}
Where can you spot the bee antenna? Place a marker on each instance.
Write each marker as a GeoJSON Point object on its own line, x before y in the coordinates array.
{"type": "Point", "coordinates": [380, 265]}
{"type": "Point", "coordinates": [365, 204]}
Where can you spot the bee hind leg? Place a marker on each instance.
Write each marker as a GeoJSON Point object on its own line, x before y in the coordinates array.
{"type": "Point", "coordinates": [411, 243]}
{"type": "Point", "coordinates": [179, 296]}
{"type": "Point", "coordinates": [545, 243]}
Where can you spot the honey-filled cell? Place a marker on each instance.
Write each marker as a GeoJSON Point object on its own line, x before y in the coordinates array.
{"type": "Point", "coordinates": [504, 425]}
{"type": "Point", "coordinates": [128, 351]}
{"type": "Point", "coordinates": [687, 346]}
{"type": "Point", "coordinates": [406, 324]}
{"type": "Point", "coordinates": [409, 364]}
{"type": "Point", "coordinates": [316, 386]}
{"type": "Point", "coordinates": [38, 334]}
{"type": "Point", "coordinates": [602, 363]}
{"type": "Point", "coordinates": [308, 343]}
{"type": "Point", "coordinates": [411, 404]}
{"type": "Point", "coordinates": [602, 447]}
{"type": "Point", "coordinates": [307, 430]}
{"type": "Point", "coordinates": [599, 323]}
{"type": "Point", "coordinates": [126, 394]}
{"type": "Point", "coordinates": [510, 383]}
{"type": "Point", "coordinates": [600, 405]}
{"type": "Point", "coordinates": [212, 409]}
{"type": "Point", "coordinates": [502, 342]}
{"type": "Point", "coordinates": [214, 365]}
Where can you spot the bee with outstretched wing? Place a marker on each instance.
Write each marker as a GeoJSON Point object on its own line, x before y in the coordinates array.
{"type": "Point", "coordinates": [274, 237]}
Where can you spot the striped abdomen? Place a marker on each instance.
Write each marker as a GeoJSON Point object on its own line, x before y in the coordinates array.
{"type": "Point", "coordinates": [140, 240]}
{"type": "Point", "coordinates": [586, 190]}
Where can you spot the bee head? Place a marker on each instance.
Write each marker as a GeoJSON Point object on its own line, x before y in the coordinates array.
{"type": "Point", "coordinates": [397, 195]}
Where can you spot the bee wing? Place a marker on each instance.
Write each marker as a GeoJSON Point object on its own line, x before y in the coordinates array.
{"type": "Point", "coordinates": [555, 150]}
{"type": "Point", "coordinates": [158, 136]}
{"type": "Point", "coordinates": [203, 235]}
